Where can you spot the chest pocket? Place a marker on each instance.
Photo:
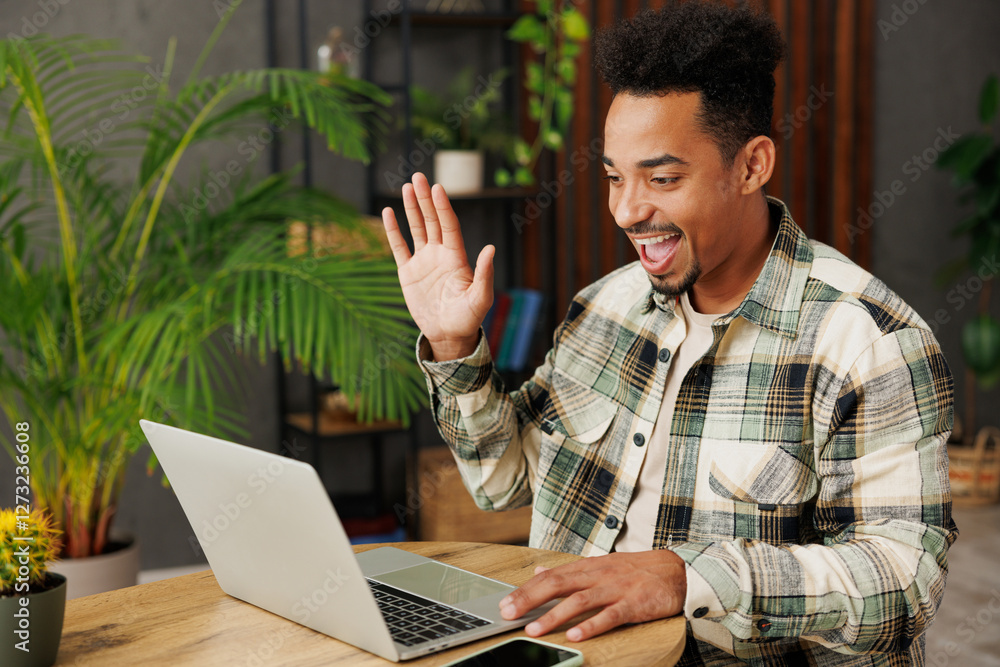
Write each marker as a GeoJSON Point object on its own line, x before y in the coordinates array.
{"type": "Point", "coordinates": [575, 419]}
{"type": "Point", "coordinates": [574, 480]}
{"type": "Point", "coordinates": [770, 490]}
{"type": "Point", "coordinates": [577, 411]}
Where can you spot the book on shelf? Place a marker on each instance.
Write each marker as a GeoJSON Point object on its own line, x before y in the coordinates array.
{"type": "Point", "coordinates": [494, 334]}
{"type": "Point", "coordinates": [512, 328]}
{"type": "Point", "coordinates": [531, 305]}
{"type": "Point", "coordinates": [509, 330]}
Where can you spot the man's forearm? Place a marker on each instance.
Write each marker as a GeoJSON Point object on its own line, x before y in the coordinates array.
{"type": "Point", "coordinates": [480, 424]}
{"type": "Point", "coordinates": [825, 594]}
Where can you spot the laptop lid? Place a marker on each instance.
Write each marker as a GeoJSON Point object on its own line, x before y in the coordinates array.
{"type": "Point", "coordinates": [273, 539]}
{"type": "Point", "coordinates": [271, 535]}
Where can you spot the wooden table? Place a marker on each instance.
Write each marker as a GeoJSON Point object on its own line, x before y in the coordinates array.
{"type": "Point", "coordinates": [189, 621]}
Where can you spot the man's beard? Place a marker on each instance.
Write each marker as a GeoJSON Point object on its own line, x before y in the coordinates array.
{"type": "Point", "coordinates": [661, 285]}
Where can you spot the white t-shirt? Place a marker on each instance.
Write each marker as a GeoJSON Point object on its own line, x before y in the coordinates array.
{"type": "Point", "coordinates": [640, 520]}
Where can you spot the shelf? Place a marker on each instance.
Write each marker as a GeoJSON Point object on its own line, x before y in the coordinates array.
{"type": "Point", "coordinates": [335, 424]}
{"type": "Point", "coordinates": [463, 20]}
{"type": "Point", "coordinates": [486, 194]}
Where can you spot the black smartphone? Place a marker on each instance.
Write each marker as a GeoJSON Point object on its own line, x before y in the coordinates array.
{"type": "Point", "coordinates": [523, 652]}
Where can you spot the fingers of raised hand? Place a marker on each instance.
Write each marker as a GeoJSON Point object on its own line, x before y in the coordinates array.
{"type": "Point", "coordinates": [414, 216]}
{"type": "Point", "coordinates": [451, 231]}
{"type": "Point", "coordinates": [432, 223]}
{"type": "Point", "coordinates": [400, 251]}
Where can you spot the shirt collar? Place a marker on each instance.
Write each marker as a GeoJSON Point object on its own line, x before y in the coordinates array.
{"type": "Point", "coordinates": [774, 301]}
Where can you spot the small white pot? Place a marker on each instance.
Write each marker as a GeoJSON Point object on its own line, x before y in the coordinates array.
{"type": "Point", "coordinates": [99, 574]}
{"type": "Point", "coordinates": [459, 172]}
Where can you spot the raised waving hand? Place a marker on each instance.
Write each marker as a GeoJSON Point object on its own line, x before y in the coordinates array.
{"type": "Point", "coordinates": [446, 299]}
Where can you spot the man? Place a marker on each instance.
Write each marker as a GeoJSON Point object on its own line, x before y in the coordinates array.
{"type": "Point", "coordinates": [743, 426]}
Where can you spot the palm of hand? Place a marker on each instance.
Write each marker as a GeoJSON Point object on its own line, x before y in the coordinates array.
{"type": "Point", "coordinates": [447, 300]}
{"type": "Point", "coordinates": [437, 285]}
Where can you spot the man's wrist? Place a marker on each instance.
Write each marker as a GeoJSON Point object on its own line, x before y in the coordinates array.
{"type": "Point", "coordinates": [451, 349]}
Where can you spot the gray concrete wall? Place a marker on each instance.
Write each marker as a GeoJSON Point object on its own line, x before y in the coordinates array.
{"type": "Point", "coordinates": [930, 66]}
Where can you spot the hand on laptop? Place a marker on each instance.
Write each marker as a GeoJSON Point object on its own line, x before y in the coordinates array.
{"type": "Point", "coordinates": [446, 299]}
{"type": "Point", "coordinates": [628, 587]}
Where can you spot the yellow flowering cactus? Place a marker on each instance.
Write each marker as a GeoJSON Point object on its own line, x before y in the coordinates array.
{"type": "Point", "coordinates": [27, 545]}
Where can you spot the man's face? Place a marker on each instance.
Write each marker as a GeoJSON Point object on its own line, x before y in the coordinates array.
{"type": "Point", "coordinates": [670, 191]}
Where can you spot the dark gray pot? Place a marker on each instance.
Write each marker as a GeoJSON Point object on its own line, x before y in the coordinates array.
{"type": "Point", "coordinates": [45, 618]}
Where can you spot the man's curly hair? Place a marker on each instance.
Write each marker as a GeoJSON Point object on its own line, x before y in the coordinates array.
{"type": "Point", "coordinates": [728, 55]}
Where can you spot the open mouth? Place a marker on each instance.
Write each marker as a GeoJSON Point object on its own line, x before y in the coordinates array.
{"type": "Point", "coordinates": [657, 252]}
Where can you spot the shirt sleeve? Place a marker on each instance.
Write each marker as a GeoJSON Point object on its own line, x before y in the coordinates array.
{"type": "Point", "coordinates": [872, 578]}
{"type": "Point", "coordinates": [492, 434]}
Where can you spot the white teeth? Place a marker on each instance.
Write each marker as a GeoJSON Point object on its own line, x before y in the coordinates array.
{"type": "Point", "coordinates": [654, 239]}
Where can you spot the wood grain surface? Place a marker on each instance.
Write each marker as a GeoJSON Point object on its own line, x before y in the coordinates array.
{"type": "Point", "coordinates": [190, 621]}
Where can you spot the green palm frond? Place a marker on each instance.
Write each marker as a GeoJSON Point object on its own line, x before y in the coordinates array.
{"type": "Point", "coordinates": [340, 317]}
{"type": "Point", "coordinates": [125, 296]}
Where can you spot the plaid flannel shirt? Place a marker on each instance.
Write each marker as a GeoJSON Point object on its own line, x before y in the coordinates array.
{"type": "Point", "coordinates": [806, 485]}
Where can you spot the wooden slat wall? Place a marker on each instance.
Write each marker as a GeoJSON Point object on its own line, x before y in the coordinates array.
{"type": "Point", "coordinates": [822, 127]}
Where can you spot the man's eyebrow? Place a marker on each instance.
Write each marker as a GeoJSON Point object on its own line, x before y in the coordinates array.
{"type": "Point", "coordinates": [665, 159]}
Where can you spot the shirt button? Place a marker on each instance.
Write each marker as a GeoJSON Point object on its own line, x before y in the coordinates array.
{"type": "Point", "coordinates": [763, 625]}
{"type": "Point", "coordinates": [611, 522]}
{"type": "Point", "coordinates": [664, 355]}
{"type": "Point", "coordinates": [639, 439]}
{"type": "Point", "coordinates": [700, 612]}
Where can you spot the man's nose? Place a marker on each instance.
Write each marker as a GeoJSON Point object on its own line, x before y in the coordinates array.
{"type": "Point", "coordinates": [629, 205]}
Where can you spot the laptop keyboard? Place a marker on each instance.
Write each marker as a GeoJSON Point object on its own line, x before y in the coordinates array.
{"type": "Point", "coordinates": [414, 620]}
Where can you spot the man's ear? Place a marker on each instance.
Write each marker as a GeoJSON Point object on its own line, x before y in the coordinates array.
{"type": "Point", "coordinates": [756, 164]}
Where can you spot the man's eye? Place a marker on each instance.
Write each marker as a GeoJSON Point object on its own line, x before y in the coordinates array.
{"type": "Point", "coordinates": [613, 179]}
{"type": "Point", "coordinates": [664, 180]}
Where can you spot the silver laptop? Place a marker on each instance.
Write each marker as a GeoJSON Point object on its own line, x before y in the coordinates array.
{"type": "Point", "coordinates": [273, 539]}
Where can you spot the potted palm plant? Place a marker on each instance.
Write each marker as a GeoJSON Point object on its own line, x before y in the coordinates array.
{"type": "Point", "coordinates": [121, 285]}
{"type": "Point", "coordinates": [975, 161]}
{"type": "Point", "coordinates": [32, 599]}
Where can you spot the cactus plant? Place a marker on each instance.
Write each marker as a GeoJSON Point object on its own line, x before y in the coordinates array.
{"type": "Point", "coordinates": [28, 544]}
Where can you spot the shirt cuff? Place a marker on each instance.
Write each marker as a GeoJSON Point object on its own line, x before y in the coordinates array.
{"type": "Point", "coordinates": [456, 377]}
{"type": "Point", "coordinates": [701, 600]}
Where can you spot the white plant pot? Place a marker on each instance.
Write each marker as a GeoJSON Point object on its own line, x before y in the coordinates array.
{"type": "Point", "coordinates": [99, 574]}
{"type": "Point", "coordinates": [459, 172]}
